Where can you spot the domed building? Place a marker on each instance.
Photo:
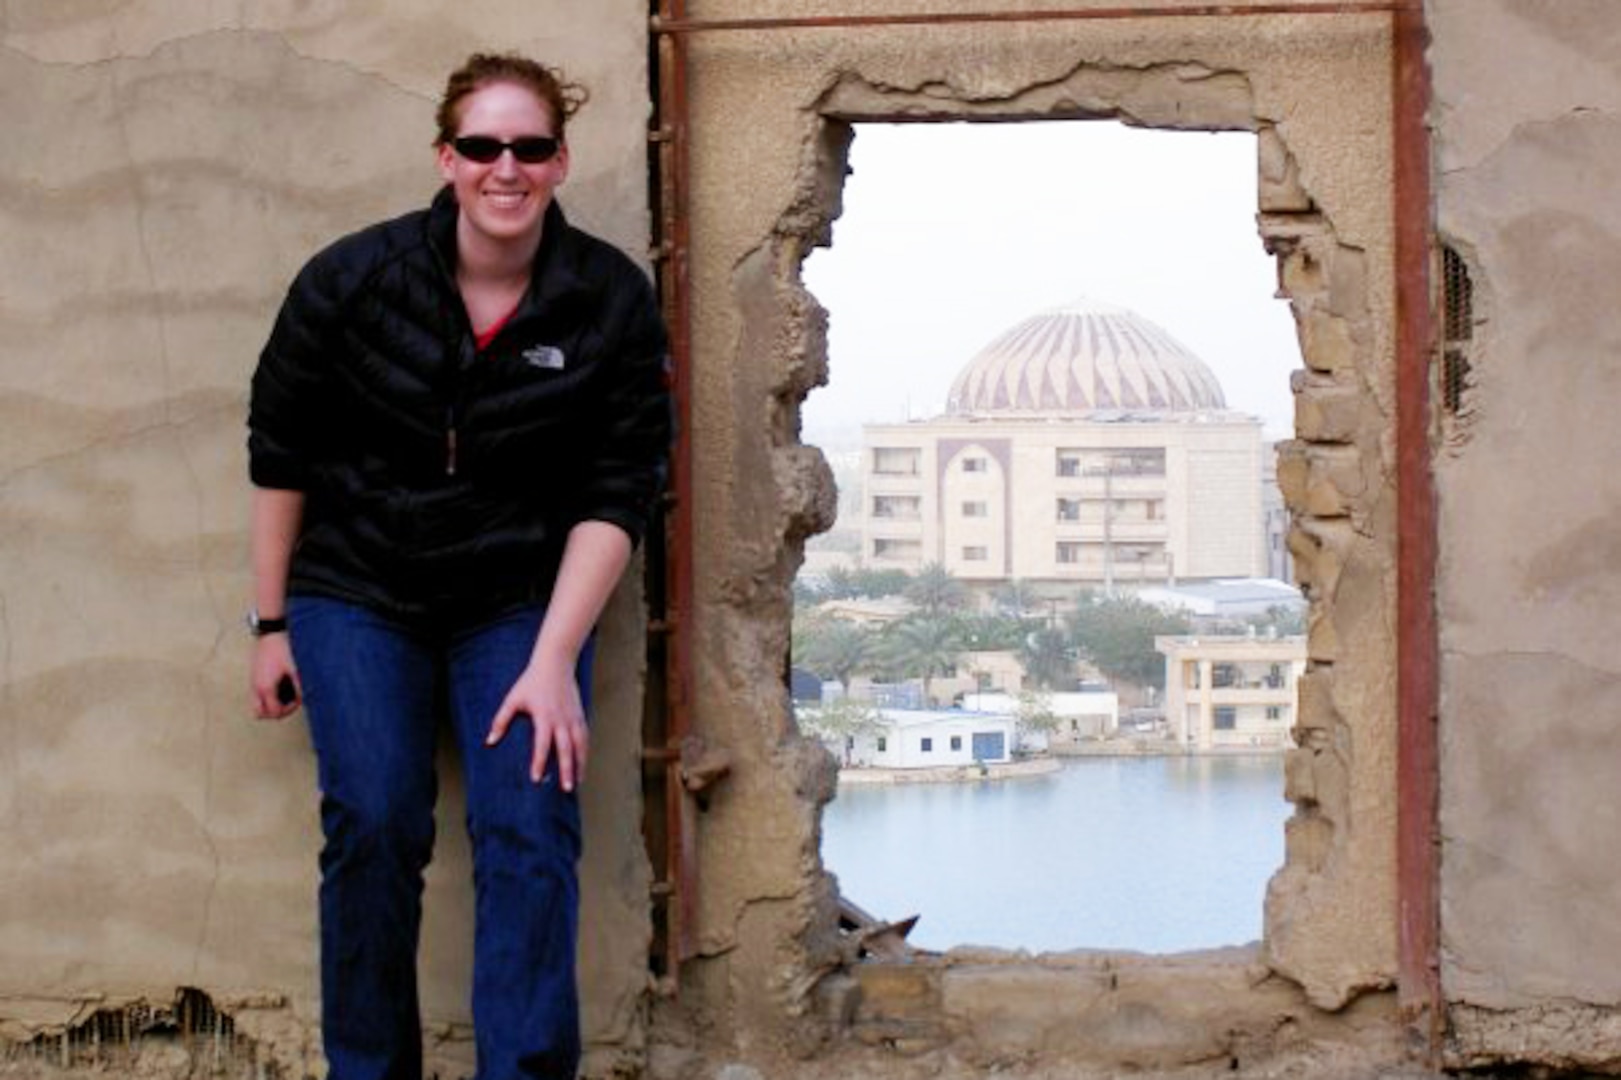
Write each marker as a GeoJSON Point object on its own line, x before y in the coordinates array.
{"type": "Point", "coordinates": [1085, 445]}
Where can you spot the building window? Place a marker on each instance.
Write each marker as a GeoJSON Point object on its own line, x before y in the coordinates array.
{"type": "Point", "coordinates": [898, 507]}
{"type": "Point", "coordinates": [1225, 718]}
{"type": "Point", "coordinates": [1138, 462]}
{"type": "Point", "coordinates": [896, 460]}
{"type": "Point", "coordinates": [1154, 509]}
{"type": "Point", "coordinates": [1068, 465]}
{"type": "Point", "coordinates": [1223, 675]}
{"type": "Point", "coordinates": [883, 744]}
{"type": "Point", "coordinates": [975, 553]}
{"type": "Point", "coordinates": [973, 464]}
{"type": "Point", "coordinates": [956, 742]}
{"type": "Point", "coordinates": [1274, 677]}
{"type": "Point", "coordinates": [928, 745]}
{"type": "Point", "coordinates": [897, 549]}
{"type": "Point", "coordinates": [1274, 712]}
{"type": "Point", "coordinates": [1069, 509]}
{"type": "Point", "coordinates": [1069, 552]}
{"type": "Point", "coordinates": [976, 508]}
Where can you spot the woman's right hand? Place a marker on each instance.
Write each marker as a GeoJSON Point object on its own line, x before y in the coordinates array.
{"type": "Point", "coordinates": [276, 689]}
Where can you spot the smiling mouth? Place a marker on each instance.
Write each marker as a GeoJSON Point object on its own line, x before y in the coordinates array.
{"type": "Point", "coordinates": [510, 200]}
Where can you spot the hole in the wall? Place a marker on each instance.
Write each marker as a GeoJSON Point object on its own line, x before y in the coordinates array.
{"type": "Point", "coordinates": [1457, 374]}
{"type": "Point", "coordinates": [146, 1035]}
{"type": "Point", "coordinates": [930, 561]}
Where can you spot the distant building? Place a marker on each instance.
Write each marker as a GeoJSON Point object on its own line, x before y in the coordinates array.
{"type": "Point", "coordinates": [868, 611]}
{"type": "Point", "coordinates": [1227, 598]}
{"type": "Point", "coordinates": [1084, 445]}
{"type": "Point", "coordinates": [804, 685]}
{"type": "Point", "coordinates": [919, 739]}
{"type": "Point", "coordinates": [1082, 714]}
{"type": "Point", "coordinates": [1230, 693]}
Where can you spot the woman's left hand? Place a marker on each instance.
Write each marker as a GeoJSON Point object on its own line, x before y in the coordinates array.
{"type": "Point", "coordinates": [549, 697]}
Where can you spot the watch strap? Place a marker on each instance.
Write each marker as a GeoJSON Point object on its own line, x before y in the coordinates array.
{"type": "Point", "coordinates": [259, 626]}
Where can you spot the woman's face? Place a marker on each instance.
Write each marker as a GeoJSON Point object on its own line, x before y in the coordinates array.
{"type": "Point", "coordinates": [504, 200]}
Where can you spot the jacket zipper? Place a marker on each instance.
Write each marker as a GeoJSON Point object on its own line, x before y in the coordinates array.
{"type": "Point", "coordinates": [450, 440]}
{"type": "Point", "coordinates": [463, 342]}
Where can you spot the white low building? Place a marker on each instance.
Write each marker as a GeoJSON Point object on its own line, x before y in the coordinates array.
{"type": "Point", "coordinates": [921, 739]}
{"type": "Point", "coordinates": [1227, 598]}
{"type": "Point", "coordinates": [1082, 714]}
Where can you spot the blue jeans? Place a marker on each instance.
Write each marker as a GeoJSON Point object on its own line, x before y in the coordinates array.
{"type": "Point", "coordinates": [374, 690]}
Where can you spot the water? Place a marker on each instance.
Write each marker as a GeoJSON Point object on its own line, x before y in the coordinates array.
{"type": "Point", "coordinates": [1158, 854]}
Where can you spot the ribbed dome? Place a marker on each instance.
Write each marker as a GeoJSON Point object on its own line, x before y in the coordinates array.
{"type": "Point", "coordinates": [1081, 358]}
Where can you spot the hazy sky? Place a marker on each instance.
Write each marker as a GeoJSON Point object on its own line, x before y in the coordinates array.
{"type": "Point", "coordinates": [952, 233]}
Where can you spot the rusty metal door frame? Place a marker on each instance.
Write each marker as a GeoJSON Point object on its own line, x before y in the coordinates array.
{"type": "Point", "coordinates": [1418, 777]}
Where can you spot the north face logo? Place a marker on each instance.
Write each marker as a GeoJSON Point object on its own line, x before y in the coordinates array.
{"type": "Point", "coordinates": [544, 357]}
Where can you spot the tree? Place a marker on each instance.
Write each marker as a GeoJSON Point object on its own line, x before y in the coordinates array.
{"type": "Point", "coordinates": [1035, 713]}
{"type": "Point", "coordinates": [840, 721]}
{"type": "Point", "coordinates": [1048, 655]}
{"type": "Point", "coordinates": [832, 648]}
{"type": "Point", "coordinates": [1117, 634]}
{"type": "Point", "coordinates": [934, 592]}
{"type": "Point", "coordinates": [982, 633]}
{"type": "Point", "coordinates": [807, 594]}
{"type": "Point", "coordinates": [841, 583]}
{"type": "Point", "coordinates": [1015, 597]}
{"type": "Point", "coordinates": [875, 583]}
{"type": "Point", "coordinates": [921, 647]}
{"type": "Point", "coordinates": [1282, 620]}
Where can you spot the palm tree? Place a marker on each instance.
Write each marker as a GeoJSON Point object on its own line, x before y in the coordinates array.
{"type": "Point", "coordinates": [1048, 657]}
{"type": "Point", "coordinates": [923, 648]}
{"type": "Point", "coordinates": [840, 582]}
{"type": "Point", "coordinates": [832, 648]}
{"type": "Point", "coordinates": [1015, 597]}
{"type": "Point", "coordinates": [934, 591]}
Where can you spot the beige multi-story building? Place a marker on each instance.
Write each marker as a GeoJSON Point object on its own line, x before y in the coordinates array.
{"type": "Point", "coordinates": [1085, 444]}
{"type": "Point", "coordinates": [1231, 693]}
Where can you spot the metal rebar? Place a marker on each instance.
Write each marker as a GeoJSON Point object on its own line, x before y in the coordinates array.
{"type": "Point", "coordinates": [1417, 644]}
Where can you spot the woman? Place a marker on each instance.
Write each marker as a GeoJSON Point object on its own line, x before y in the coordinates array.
{"type": "Point", "coordinates": [457, 428]}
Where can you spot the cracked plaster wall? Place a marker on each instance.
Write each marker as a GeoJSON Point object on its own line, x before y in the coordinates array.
{"type": "Point", "coordinates": [166, 168]}
{"type": "Point", "coordinates": [767, 165]}
{"type": "Point", "coordinates": [1528, 157]}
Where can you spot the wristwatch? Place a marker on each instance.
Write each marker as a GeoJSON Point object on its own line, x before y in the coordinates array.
{"type": "Point", "coordinates": [259, 626]}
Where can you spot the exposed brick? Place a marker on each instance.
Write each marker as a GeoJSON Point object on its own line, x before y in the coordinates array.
{"type": "Point", "coordinates": [1327, 413]}
{"type": "Point", "coordinates": [1326, 341]}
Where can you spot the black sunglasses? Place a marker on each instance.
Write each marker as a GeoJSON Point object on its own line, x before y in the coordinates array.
{"type": "Point", "coordinates": [529, 149]}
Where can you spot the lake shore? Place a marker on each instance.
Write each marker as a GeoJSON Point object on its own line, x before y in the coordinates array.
{"type": "Point", "coordinates": [1049, 762]}
{"type": "Point", "coordinates": [946, 774]}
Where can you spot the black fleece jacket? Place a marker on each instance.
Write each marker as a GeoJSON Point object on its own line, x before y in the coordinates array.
{"type": "Point", "coordinates": [440, 478]}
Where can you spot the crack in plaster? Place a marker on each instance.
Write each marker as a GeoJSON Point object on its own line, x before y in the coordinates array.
{"type": "Point", "coordinates": [1529, 128]}
{"type": "Point", "coordinates": [105, 442]}
{"type": "Point", "coordinates": [143, 223]}
{"type": "Point", "coordinates": [241, 29]}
